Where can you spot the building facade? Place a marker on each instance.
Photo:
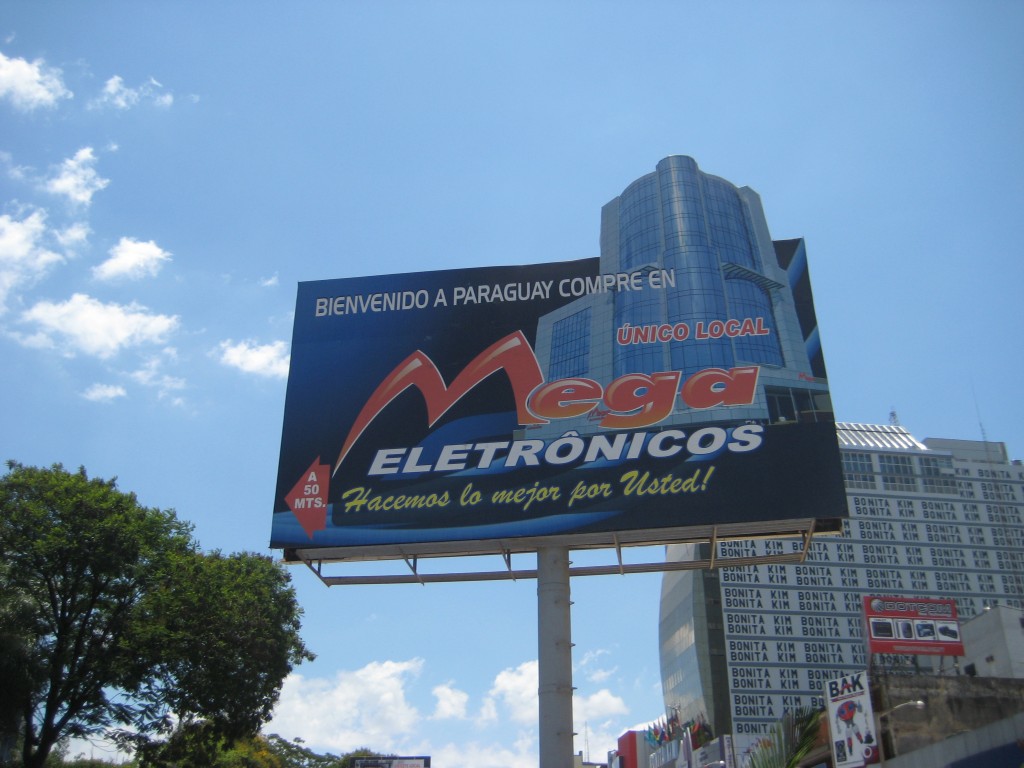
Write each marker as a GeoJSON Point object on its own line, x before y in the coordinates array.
{"type": "Point", "coordinates": [994, 643]}
{"type": "Point", "coordinates": [712, 238]}
{"type": "Point", "coordinates": [934, 518]}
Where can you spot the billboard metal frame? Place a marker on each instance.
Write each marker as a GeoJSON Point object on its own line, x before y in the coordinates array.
{"type": "Point", "coordinates": [802, 530]}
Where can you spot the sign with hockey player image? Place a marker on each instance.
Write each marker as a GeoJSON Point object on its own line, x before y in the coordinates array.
{"type": "Point", "coordinates": [851, 721]}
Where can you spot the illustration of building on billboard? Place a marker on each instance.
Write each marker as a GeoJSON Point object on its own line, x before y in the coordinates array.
{"type": "Point", "coordinates": [730, 299]}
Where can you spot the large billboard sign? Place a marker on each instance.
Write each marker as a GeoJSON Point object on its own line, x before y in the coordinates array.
{"type": "Point", "coordinates": [915, 626]}
{"type": "Point", "coordinates": [511, 404]}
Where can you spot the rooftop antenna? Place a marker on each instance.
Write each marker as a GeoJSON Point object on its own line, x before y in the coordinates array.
{"type": "Point", "coordinates": [894, 418]}
{"type": "Point", "coordinates": [989, 457]}
{"type": "Point", "coordinates": [977, 410]}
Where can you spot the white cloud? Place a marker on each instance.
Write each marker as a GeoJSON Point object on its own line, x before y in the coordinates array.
{"type": "Point", "coordinates": [30, 85]}
{"type": "Point", "coordinates": [73, 235]}
{"type": "Point", "coordinates": [488, 712]}
{"type": "Point", "coordinates": [104, 393]}
{"type": "Point", "coordinates": [269, 282]}
{"type": "Point", "coordinates": [23, 257]}
{"type": "Point", "coordinates": [451, 702]}
{"type": "Point", "coordinates": [593, 673]}
{"type": "Point", "coordinates": [132, 259]}
{"type": "Point", "coordinates": [516, 689]}
{"type": "Point", "coordinates": [269, 360]}
{"type": "Point", "coordinates": [370, 707]}
{"type": "Point", "coordinates": [600, 675]}
{"type": "Point", "coordinates": [16, 172]}
{"type": "Point", "coordinates": [77, 178]}
{"type": "Point", "coordinates": [593, 655]}
{"type": "Point", "coordinates": [151, 375]}
{"type": "Point", "coordinates": [597, 706]}
{"type": "Point", "coordinates": [117, 95]}
{"type": "Point", "coordinates": [350, 710]}
{"type": "Point", "coordinates": [89, 326]}
{"type": "Point", "coordinates": [522, 755]}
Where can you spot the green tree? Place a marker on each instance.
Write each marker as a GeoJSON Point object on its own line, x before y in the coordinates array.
{"type": "Point", "coordinates": [16, 670]}
{"type": "Point", "coordinates": [294, 755]}
{"type": "Point", "coordinates": [789, 741]}
{"type": "Point", "coordinates": [215, 642]}
{"type": "Point", "coordinates": [117, 620]}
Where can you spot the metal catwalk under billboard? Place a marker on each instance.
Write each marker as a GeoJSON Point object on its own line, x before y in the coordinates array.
{"type": "Point", "coordinates": [507, 403]}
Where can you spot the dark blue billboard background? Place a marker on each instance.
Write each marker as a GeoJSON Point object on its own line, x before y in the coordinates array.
{"type": "Point", "coordinates": [482, 471]}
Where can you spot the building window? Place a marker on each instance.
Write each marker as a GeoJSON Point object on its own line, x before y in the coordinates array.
{"type": "Point", "coordinates": [858, 471]}
{"type": "Point", "coordinates": [897, 472]}
{"type": "Point", "coordinates": [790, 405]}
{"type": "Point", "coordinates": [570, 346]}
{"type": "Point", "coordinates": [937, 475]}
{"type": "Point", "coordinates": [749, 301]}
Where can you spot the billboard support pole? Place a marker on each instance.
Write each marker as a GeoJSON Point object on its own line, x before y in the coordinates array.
{"type": "Point", "coordinates": [554, 655]}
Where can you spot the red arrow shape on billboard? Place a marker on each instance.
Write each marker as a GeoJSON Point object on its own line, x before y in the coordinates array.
{"type": "Point", "coordinates": [308, 499]}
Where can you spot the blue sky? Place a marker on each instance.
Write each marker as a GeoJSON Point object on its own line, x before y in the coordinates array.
{"type": "Point", "coordinates": [169, 172]}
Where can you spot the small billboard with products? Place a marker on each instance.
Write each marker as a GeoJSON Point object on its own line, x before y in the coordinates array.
{"type": "Point", "coordinates": [912, 625]}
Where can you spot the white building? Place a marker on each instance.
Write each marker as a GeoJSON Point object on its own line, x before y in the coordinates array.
{"type": "Point", "coordinates": [932, 518]}
{"type": "Point", "coordinates": [994, 643]}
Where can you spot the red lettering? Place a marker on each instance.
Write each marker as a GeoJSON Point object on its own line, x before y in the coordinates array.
{"type": "Point", "coordinates": [511, 354]}
{"type": "Point", "coordinates": [652, 397]}
{"type": "Point", "coordinates": [634, 401]}
{"type": "Point", "coordinates": [715, 386]}
{"type": "Point", "coordinates": [565, 398]}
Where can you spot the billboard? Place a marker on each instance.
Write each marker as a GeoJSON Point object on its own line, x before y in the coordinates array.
{"type": "Point", "coordinates": [433, 412]}
{"type": "Point", "coordinates": [851, 721]}
{"type": "Point", "coordinates": [912, 625]}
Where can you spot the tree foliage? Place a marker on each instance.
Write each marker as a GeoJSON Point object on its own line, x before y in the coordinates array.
{"type": "Point", "coordinates": [111, 617]}
{"type": "Point", "coordinates": [215, 642]}
{"type": "Point", "coordinates": [294, 755]}
{"type": "Point", "coordinates": [789, 740]}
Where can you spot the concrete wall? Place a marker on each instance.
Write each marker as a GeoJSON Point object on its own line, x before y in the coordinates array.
{"type": "Point", "coordinates": [953, 705]}
{"type": "Point", "coordinates": [993, 746]}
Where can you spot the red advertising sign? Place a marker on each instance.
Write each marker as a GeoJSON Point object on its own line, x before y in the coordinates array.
{"type": "Point", "coordinates": [916, 626]}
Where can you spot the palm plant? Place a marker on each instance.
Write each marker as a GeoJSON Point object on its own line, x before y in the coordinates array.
{"type": "Point", "coordinates": [789, 741]}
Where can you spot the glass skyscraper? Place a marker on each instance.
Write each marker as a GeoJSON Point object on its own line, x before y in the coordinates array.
{"type": "Point", "coordinates": [934, 518]}
{"type": "Point", "coordinates": [713, 238]}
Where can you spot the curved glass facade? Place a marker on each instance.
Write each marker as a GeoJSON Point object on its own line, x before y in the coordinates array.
{"type": "Point", "coordinates": [711, 239]}
{"type": "Point", "coordinates": [688, 653]}
{"type": "Point", "coordinates": [570, 345]}
{"type": "Point", "coordinates": [677, 644]}
{"type": "Point", "coordinates": [696, 225]}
